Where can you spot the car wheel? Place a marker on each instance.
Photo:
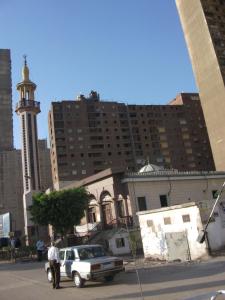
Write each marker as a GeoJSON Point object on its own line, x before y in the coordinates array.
{"type": "Point", "coordinates": [109, 278]}
{"type": "Point", "coordinates": [49, 275]}
{"type": "Point", "coordinates": [78, 281]}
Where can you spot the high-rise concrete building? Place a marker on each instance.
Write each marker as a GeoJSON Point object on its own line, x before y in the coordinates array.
{"type": "Point", "coordinates": [89, 135]}
{"type": "Point", "coordinates": [11, 184]}
{"type": "Point", "coordinates": [203, 23]}
{"type": "Point", "coordinates": [11, 176]}
{"type": "Point", "coordinates": [11, 189]}
{"type": "Point", "coordinates": [6, 124]}
{"type": "Point", "coordinates": [27, 108]}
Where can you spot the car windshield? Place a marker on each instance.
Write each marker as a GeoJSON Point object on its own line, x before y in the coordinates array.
{"type": "Point", "coordinates": [90, 252]}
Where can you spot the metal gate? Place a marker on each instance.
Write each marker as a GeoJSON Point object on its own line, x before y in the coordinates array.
{"type": "Point", "coordinates": [178, 247]}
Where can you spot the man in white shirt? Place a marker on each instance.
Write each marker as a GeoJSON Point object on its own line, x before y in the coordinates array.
{"type": "Point", "coordinates": [54, 263]}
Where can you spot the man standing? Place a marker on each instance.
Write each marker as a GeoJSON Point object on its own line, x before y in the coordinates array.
{"type": "Point", "coordinates": [40, 248]}
{"type": "Point", "coordinates": [12, 248]}
{"type": "Point", "coordinates": [54, 262]}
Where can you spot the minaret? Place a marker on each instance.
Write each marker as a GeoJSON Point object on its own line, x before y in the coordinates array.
{"type": "Point", "coordinates": [27, 108]}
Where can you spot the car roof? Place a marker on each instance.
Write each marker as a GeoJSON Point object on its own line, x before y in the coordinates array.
{"type": "Point", "coordinates": [80, 246]}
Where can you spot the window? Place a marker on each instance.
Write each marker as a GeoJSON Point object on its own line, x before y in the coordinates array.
{"type": "Point", "coordinates": [150, 223]}
{"type": "Point", "coordinates": [163, 200]}
{"type": "Point", "coordinates": [142, 203]}
{"type": "Point", "coordinates": [183, 121]}
{"type": "Point", "coordinates": [214, 194]}
{"type": "Point", "coordinates": [120, 243]}
{"type": "Point", "coordinates": [167, 221]}
{"type": "Point", "coordinates": [91, 252]}
{"type": "Point", "coordinates": [186, 218]}
{"type": "Point", "coordinates": [120, 208]}
{"type": "Point", "coordinates": [70, 255]}
{"type": "Point", "coordinates": [61, 255]}
{"type": "Point", "coordinates": [32, 231]}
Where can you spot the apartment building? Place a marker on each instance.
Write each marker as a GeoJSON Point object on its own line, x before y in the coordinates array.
{"type": "Point", "coordinates": [89, 135]}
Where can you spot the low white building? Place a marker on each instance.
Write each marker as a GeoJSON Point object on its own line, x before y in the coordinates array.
{"type": "Point", "coordinates": [171, 233]}
{"type": "Point", "coordinates": [119, 242]}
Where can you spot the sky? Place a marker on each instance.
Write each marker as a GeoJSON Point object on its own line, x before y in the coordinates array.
{"type": "Point", "coordinates": [130, 51]}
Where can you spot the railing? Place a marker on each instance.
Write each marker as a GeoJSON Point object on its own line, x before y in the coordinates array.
{"type": "Point", "coordinates": [126, 221]}
{"type": "Point", "coordinates": [91, 231]}
{"type": "Point", "coordinates": [88, 229]}
{"type": "Point", "coordinates": [28, 103]}
{"type": "Point", "coordinates": [17, 254]}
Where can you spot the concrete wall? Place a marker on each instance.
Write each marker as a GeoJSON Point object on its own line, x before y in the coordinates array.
{"type": "Point", "coordinates": [178, 190]}
{"type": "Point", "coordinates": [110, 186]}
{"type": "Point", "coordinates": [11, 188]}
{"type": "Point", "coordinates": [216, 229]}
{"type": "Point", "coordinates": [44, 165]}
{"type": "Point", "coordinates": [154, 229]}
{"type": "Point", "coordinates": [202, 33]}
{"type": "Point", "coordinates": [6, 117]}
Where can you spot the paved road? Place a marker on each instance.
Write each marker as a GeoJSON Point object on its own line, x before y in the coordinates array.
{"type": "Point", "coordinates": [27, 281]}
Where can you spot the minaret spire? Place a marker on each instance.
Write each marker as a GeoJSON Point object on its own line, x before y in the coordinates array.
{"type": "Point", "coordinates": [27, 108]}
{"type": "Point", "coordinates": [25, 59]}
{"type": "Point", "coordinates": [25, 70]}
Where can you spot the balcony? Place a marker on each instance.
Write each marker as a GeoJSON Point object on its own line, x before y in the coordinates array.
{"type": "Point", "coordinates": [28, 105]}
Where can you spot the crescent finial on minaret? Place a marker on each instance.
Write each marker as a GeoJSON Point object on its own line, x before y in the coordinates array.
{"type": "Point", "coordinates": [25, 71]}
{"type": "Point", "coordinates": [25, 59]}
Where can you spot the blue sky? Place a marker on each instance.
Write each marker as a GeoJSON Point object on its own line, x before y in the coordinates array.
{"type": "Point", "coordinates": [130, 51]}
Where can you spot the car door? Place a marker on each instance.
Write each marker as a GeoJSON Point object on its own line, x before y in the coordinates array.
{"type": "Point", "coordinates": [70, 257]}
{"type": "Point", "coordinates": [62, 266]}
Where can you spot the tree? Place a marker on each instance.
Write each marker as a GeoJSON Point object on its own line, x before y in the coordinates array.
{"type": "Point", "coordinates": [62, 209]}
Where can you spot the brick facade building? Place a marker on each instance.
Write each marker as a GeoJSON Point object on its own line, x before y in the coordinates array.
{"type": "Point", "coordinates": [89, 135]}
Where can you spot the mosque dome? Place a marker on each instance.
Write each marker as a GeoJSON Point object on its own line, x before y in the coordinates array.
{"type": "Point", "coordinates": [150, 168]}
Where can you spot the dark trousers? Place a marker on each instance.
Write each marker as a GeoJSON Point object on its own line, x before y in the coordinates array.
{"type": "Point", "coordinates": [55, 269]}
{"type": "Point", "coordinates": [39, 255]}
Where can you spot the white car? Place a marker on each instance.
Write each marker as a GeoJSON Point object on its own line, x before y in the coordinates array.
{"type": "Point", "coordinates": [86, 262]}
{"type": "Point", "coordinates": [209, 296]}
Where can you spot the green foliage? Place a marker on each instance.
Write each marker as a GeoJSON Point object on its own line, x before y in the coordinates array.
{"type": "Point", "coordinates": [62, 209]}
{"type": "Point", "coordinates": [135, 241]}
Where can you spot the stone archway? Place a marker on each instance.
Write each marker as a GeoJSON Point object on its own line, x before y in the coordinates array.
{"type": "Point", "coordinates": [106, 207]}
{"type": "Point", "coordinates": [93, 214]}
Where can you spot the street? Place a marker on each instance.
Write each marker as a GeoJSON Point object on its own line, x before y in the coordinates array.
{"type": "Point", "coordinates": [167, 281]}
